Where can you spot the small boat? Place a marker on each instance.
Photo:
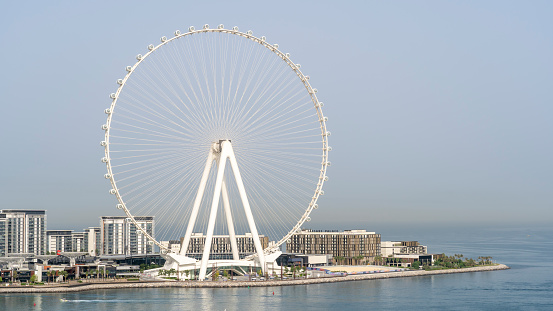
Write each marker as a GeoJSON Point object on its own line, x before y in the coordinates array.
{"type": "Point", "coordinates": [63, 300]}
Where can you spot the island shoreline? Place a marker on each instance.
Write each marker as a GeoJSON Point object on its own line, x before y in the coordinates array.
{"type": "Point", "coordinates": [228, 284]}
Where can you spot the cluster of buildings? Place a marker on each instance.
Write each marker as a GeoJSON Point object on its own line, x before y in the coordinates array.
{"type": "Point", "coordinates": [25, 232]}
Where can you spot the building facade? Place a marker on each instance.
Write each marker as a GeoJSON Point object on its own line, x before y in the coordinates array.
{"type": "Point", "coordinates": [348, 247]}
{"type": "Point", "coordinates": [22, 231]}
{"type": "Point", "coordinates": [220, 245]}
{"type": "Point", "coordinates": [93, 241]}
{"type": "Point", "coordinates": [392, 248]}
{"type": "Point", "coordinates": [77, 242]}
{"type": "Point", "coordinates": [59, 240]}
{"type": "Point", "coordinates": [119, 236]}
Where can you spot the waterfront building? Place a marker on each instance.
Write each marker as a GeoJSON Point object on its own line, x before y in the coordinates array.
{"type": "Point", "coordinates": [59, 240]}
{"type": "Point", "coordinates": [391, 248]}
{"type": "Point", "coordinates": [22, 231]}
{"type": "Point", "coordinates": [348, 247]}
{"type": "Point", "coordinates": [77, 242]}
{"type": "Point", "coordinates": [220, 245]}
{"type": "Point", "coordinates": [119, 236]}
{"type": "Point", "coordinates": [92, 241]}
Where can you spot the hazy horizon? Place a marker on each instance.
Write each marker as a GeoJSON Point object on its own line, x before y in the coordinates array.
{"type": "Point", "coordinates": [440, 112]}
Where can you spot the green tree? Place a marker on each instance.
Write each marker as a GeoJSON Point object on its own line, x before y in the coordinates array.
{"type": "Point", "coordinates": [172, 271]}
{"type": "Point", "coordinates": [416, 264]}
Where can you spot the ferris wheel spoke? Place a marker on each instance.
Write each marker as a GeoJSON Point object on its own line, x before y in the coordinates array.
{"type": "Point", "coordinates": [209, 88]}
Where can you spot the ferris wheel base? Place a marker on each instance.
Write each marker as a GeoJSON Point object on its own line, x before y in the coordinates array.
{"type": "Point", "coordinates": [180, 264]}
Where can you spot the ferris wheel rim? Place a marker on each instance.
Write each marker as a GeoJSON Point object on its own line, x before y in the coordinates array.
{"type": "Point", "coordinates": [271, 47]}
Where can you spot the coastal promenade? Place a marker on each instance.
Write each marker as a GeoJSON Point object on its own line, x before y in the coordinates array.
{"type": "Point", "coordinates": [77, 287]}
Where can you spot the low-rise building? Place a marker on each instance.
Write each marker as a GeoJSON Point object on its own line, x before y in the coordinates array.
{"type": "Point", "coordinates": [220, 245]}
{"type": "Point", "coordinates": [391, 248]}
{"type": "Point", "coordinates": [348, 247]}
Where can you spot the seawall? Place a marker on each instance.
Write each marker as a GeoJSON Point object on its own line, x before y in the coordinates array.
{"type": "Point", "coordinates": [116, 285]}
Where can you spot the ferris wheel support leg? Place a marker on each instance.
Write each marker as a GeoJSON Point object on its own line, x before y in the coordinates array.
{"type": "Point", "coordinates": [230, 223]}
{"type": "Point", "coordinates": [213, 214]}
{"type": "Point", "coordinates": [197, 201]}
{"type": "Point", "coordinates": [226, 145]}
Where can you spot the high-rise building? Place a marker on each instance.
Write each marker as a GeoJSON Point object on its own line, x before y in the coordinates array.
{"type": "Point", "coordinates": [59, 240]}
{"type": "Point", "coordinates": [93, 241]}
{"type": "Point", "coordinates": [347, 247]}
{"type": "Point", "coordinates": [120, 236]}
{"type": "Point", "coordinates": [22, 231]}
{"type": "Point", "coordinates": [220, 245]}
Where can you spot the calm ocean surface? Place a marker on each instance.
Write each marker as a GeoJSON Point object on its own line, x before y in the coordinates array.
{"type": "Point", "coordinates": [528, 285]}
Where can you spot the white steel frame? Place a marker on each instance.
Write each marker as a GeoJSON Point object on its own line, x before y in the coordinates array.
{"type": "Point", "coordinates": [220, 152]}
{"type": "Point", "coordinates": [230, 155]}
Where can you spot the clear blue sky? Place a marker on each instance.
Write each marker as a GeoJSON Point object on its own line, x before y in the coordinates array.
{"type": "Point", "coordinates": [440, 111]}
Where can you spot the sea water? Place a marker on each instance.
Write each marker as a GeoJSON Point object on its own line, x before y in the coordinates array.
{"type": "Point", "coordinates": [528, 285]}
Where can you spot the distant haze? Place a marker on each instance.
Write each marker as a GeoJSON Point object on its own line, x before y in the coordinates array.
{"type": "Point", "coordinates": [440, 111]}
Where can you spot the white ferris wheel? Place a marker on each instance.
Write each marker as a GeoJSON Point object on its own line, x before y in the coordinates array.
{"type": "Point", "coordinates": [216, 131]}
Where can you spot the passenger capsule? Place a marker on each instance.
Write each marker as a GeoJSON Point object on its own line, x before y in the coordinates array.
{"type": "Point", "coordinates": [119, 206]}
{"type": "Point", "coordinates": [206, 26]}
{"type": "Point", "coordinates": [328, 163]}
{"type": "Point", "coordinates": [112, 95]}
{"type": "Point", "coordinates": [235, 28]}
{"type": "Point", "coordinates": [275, 46]}
{"type": "Point", "coordinates": [287, 54]}
{"type": "Point", "coordinates": [150, 47]}
{"type": "Point", "coordinates": [263, 38]}
{"type": "Point", "coordinates": [326, 178]}
{"type": "Point", "coordinates": [308, 219]}
{"type": "Point", "coordinates": [321, 192]}
{"type": "Point", "coordinates": [163, 39]}
{"type": "Point", "coordinates": [221, 26]}
{"type": "Point", "coordinates": [177, 33]}
{"type": "Point", "coordinates": [139, 57]}
{"type": "Point", "coordinates": [315, 206]}
{"type": "Point", "coordinates": [112, 191]}
{"type": "Point", "coordinates": [298, 66]}
{"type": "Point", "coordinates": [105, 160]}
{"type": "Point", "coordinates": [107, 111]}
{"type": "Point", "coordinates": [321, 104]}
{"type": "Point", "coordinates": [325, 119]}
{"type": "Point", "coordinates": [119, 81]}
{"type": "Point", "coordinates": [307, 77]}
{"type": "Point", "coordinates": [315, 90]}
{"type": "Point", "coordinates": [104, 127]}
{"type": "Point", "coordinates": [128, 68]}
{"type": "Point", "coordinates": [191, 28]}
{"type": "Point", "coordinates": [107, 176]}
{"type": "Point", "coordinates": [289, 241]}
{"type": "Point", "coordinates": [103, 143]}
{"type": "Point", "coordinates": [249, 32]}
{"type": "Point", "coordinates": [327, 133]}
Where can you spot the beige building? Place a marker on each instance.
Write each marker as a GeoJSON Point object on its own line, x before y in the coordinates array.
{"type": "Point", "coordinates": [350, 247]}
{"type": "Point", "coordinates": [220, 245]}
